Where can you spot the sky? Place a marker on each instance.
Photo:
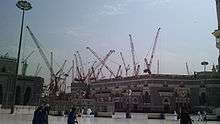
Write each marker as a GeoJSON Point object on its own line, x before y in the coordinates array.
{"type": "Point", "coordinates": [67, 26]}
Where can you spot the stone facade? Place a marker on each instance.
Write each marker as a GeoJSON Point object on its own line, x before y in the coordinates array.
{"type": "Point", "coordinates": [28, 88]}
{"type": "Point", "coordinates": [155, 93]}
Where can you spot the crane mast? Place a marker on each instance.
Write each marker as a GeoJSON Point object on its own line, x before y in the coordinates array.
{"type": "Point", "coordinates": [81, 64]}
{"type": "Point", "coordinates": [148, 64]}
{"type": "Point", "coordinates": [125, 66]}
{"type": "Point", "coordinates": [187, 68]}
{"type": "Point", "coordinates": [133, 55]}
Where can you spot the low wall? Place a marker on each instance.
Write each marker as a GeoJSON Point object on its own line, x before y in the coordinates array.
{"type": "Point", "coordinates": [20, 109]}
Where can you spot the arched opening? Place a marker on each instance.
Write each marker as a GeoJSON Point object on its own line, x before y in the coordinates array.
{"type": "Point", "coordinates": [27, 96]}
{"type": "Point", "coordinates": [3, 69]}
{"type": "Point", "coordinates": [166, 103]}
{"type": "Point", "coordinates": [18, 96]}
{"type": "Point", "coordinates": [202, 98]}
{"type": "Point", "coordinates": [1, 94]}
{"type": "Point", "coordinates": [146, 97]}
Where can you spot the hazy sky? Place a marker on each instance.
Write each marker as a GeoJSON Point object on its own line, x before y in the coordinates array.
{"type": "Point", "coordinates": [64, 26]}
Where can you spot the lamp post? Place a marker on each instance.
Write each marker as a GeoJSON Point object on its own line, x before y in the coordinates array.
{"type": "Point", "coordinates": [24, 6]}
{"type": "Point", "coordinates": [128, 114]}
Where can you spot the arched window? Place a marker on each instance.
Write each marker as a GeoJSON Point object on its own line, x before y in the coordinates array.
{"type": "Point", "coordinates": [18, 96]}
{"type": "Point", "coordinates": [1, 94]}
{"type": "Point", "coordinates": [27, 96]}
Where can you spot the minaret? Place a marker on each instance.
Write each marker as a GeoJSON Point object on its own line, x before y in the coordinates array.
{"type": "Point", "coordinates": [216, 33]}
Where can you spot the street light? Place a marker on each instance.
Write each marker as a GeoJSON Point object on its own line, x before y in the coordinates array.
{"type": "Point", "coordinates": [24, 6]}
{"type": "Point", "coordinates": [128, 114]}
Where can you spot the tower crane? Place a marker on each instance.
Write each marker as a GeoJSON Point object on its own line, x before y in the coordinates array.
{"type": "Point", "coordinates": [38, 69]}
{"type": "Point", "coordinates": [133, 56]}
{"type": "Point", "coordinates": [148, 64]}
{"type": "Point", "coordinates": [118, 72]}
{"type": "Point", "coordinates": [79, 76]}
{"type": "Point", "coordinates": [59, 72]}
{"type": "Point", "coordinates": [25, 64]}
{"type": "Point", "coordinates": [102, 62]}
{"type": "Point", "coordinates": [81, 64]}
{"type": "Point", "coordinates": [73, 65]}
{"type": "Point", "coordinates": [126, 67]}
{"type": "Point", "coordinates": [53, 85]}
{"type": "Point", "coordinates": [63, 84]}
{"type": "Point", "coordinates": [187, 68]}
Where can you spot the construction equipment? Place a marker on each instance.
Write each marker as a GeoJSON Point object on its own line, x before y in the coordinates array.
{"type": "Point", "coordinates": [148, 64]}
{"type": "Point", "coordinates": [79, 76]}
{"type": "Point", "coordinates": [158, 66]}
{"type": "Point", "coordinates": [126, 67]}
{"type": "Point", "coordinates": [38, 69]}
{"type": "Point", "coordinates": [73, 76]}
{"type": "Point", "coordinates": [187, 68]}
{"type": "Point", "coordinates": [102, 61]}
{"type": "Point", "coordinates": [133, 56]}
{"type": "Point", "coordinates": [52, 88]}
{"type": "Point", "coordinates": [118, 72]}
{"type": "Point", "coordinates": [25, 64]}
{"type": "Point", "coordinates": [81, 68]}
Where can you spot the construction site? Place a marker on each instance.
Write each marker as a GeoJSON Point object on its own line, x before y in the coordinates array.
{"type": "Point", "coordinates": [129, 88]}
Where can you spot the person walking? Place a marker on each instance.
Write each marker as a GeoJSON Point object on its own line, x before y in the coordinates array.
{"type": "Point", "coordinates": [72, 117]}
{"type": "Point", "coordinates": [40, 116]}
{"type": "Point", "coordinates": [184, 117]}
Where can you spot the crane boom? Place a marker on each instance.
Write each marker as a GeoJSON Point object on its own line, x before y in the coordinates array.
{"type": "Point", "coordinates": [41, 51]}
{"type": "Point", "coordinates": [154, 46]}
{"type": "Point", "coordinates": [103, 62]}
{"type": "Point", "coordinates": [77, 68]}
{"type": "Point", "coordinates": [187, 68]}
{"type": "Point", "coordinates": [125, 67]}
{"type": "Point", "coordinates": [61, 68]}
{"type": "Point", "coordinates": [118, 71]}
{"type": "Point", "coordinates": [148, 64]}
{"type": "Point", "coordinates": [133, 55]}
{"type": "Point", "coordinates": [81, 64]}
{"type": "Point", "coordinates": [29, 55]}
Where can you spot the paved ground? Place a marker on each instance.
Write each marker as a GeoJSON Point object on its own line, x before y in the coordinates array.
{"type": "Point", "coordinates": [27, 119]}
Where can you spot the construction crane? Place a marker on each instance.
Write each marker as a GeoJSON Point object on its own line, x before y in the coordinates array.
{"type": "Point", "coordinates": [59, 72]}
{"type": "Point", "coordinates": [158, 66]}
{"type": "Point", "coordinates": [53, 85]}
{"type": "Point", "coordinates": [126, 67]}
{"type": "Point", "coordinates": [79, 75]}
{"type": "Point", "coordinates": [102, 62]}
{"type": "Point", "coordinates": [148, 64]}
{"type": "Point", "coordinates": [73, 74]}
{"type": "Point", "coordinates": [187, 68]}
{"type": "Point", "coordinates": [25, 64]}
{"type": "Point", "coordinates": [118, 72]}
{"type": "Point", "coordinates": [133, 56]}
{"type": "Point", "coordinates": [81, 64]}
{"type": "Point", "coordinates": [38, 69]}
{"type": "Point", "coordinates": [63, 84]}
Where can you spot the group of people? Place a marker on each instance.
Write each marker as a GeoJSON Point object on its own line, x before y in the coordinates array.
{"type": "Point", "coordinates": [41, 115]}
